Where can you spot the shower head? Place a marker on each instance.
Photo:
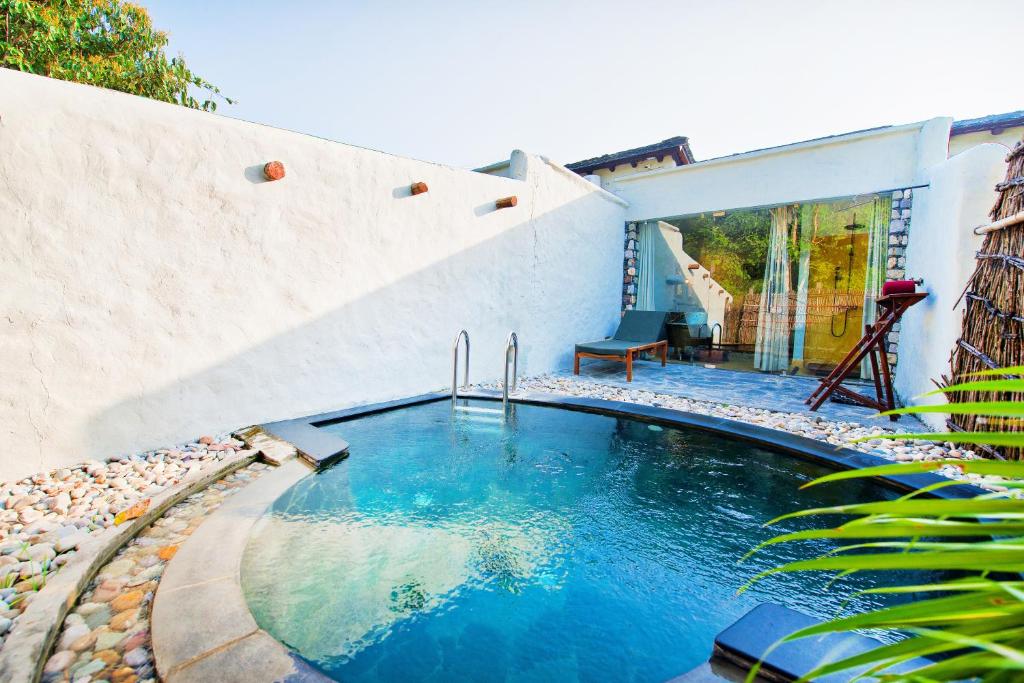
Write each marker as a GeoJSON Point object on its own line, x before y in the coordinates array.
{"type": "Point", "coordinates": [853, 226]}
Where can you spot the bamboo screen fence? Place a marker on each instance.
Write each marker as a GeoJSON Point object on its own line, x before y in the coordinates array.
{"type": "Point", "coordinates": [993, 320]}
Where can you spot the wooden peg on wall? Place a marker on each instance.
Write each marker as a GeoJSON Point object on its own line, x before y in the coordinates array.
{"type": "Point", "coordinates": [418, 188]}
{"type": "Point", "coordinates": [694, 266]}
{"type": "Point", "coordinates": [506, 202]}
{"type": "Point", "coordinates": [273, 170]}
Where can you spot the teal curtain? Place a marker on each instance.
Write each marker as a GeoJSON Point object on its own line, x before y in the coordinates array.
{"type": "Point", "coordinates": [646, 238]}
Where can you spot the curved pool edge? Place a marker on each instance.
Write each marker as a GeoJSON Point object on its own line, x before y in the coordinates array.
{"type": "Point", "coordinates": [836, 457]}
{"type": "Point", "coordinates": [202, 626]}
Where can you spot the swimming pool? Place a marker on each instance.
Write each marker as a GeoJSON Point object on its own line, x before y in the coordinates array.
{"type": "Point", "coordinates": [559, 545]}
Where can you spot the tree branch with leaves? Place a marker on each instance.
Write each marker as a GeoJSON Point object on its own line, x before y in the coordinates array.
{"type": "Point", "coordinates": [107, 43]}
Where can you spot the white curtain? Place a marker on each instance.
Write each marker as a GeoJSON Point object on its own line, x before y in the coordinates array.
{"type": "Point", "coordinates": [807, 228]}
{"type": "Point", "coordinates": [646, 237]}
{"type": "Point", "coordinates": [771, 349]}
{"type": "Point", "coordinates": [874, 276]}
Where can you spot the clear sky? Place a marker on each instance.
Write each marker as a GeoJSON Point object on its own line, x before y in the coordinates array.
{"type": "Point", "coordinates": [464, 83]}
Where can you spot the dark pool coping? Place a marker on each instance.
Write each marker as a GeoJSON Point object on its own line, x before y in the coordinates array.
{"type": "Point", "coordinates": [751, 637]}
{"type": "Point", "coordinates": [322, 447]}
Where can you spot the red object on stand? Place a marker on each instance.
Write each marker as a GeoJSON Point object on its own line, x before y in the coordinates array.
{"type": "Point", "coordinates": [871, 345]}
{"type": "Point", "coordinates": [899, 287]}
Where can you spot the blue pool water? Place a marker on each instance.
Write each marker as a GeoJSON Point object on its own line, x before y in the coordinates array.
{"type": "Point", "coordinates": [561, 546]}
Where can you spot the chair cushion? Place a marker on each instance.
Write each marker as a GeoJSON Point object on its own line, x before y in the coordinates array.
{"type": "Point", "coordinates": [642, 326]}
{"type": "Point", "coordinates": [606, 347]}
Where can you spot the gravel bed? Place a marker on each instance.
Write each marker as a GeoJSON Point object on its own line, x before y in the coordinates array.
{"type": "Point", "coordinates": [106, 636]}
{"type": "Point", "coordinates": [44, 518]}
{"type": "Point", "coordinates": [838, 433]}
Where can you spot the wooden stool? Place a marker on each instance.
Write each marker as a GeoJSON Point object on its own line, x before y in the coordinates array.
{"type": "Point", "coordinates": [871, 345]}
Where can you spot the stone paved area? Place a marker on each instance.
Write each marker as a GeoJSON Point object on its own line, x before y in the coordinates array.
{"type": "Point", "coordinates": [106, 636]}
{"type": "Point", "coordinates": [735, 387]}
{"type": "Point", "coordinates": [44, 518]}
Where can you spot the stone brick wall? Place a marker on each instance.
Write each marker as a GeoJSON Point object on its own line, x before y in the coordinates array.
{"type": "Point", "coordinates": [899, 228]}
{"type": "Point", "coordinates": [629, 268]}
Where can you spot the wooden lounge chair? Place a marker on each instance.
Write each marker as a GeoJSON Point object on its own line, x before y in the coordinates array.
{"type": "Point", "coordinates": [639, 331]}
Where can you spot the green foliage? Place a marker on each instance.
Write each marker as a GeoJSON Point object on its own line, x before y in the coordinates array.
{"type": "Point", "coordinates": [108, 43]}
{"type": "Point", "coordinates": [734, 247]}
{"type": "Point", "coordinates": [972, 627]}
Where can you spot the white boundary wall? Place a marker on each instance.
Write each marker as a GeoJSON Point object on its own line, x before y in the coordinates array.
{"type": "Point", "coordinates": [155, 288]}
{"type": "Point", "coordinates": [941, 251]}
{"type": "Point", "coordinates": [868, 161]}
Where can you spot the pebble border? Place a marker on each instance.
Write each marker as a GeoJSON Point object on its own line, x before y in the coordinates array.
{"type": "Point", "coordinates": [106, 636]}
{"type": "Point", "coordinates": [22, 657]}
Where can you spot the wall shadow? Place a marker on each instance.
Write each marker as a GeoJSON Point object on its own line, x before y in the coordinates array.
{"type": "Point", "coordinates": [396, 339]}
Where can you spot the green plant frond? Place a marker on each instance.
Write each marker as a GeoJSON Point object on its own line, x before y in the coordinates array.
{"type": "Point", "coordinates": [898, 528]}
{"type": "Point", "coordinates": [956, 610]}
{"type": "Point", "coordinates": [984, 438]}
{"type": "Point", "coordinates": [998, 385]}
{"type": "Point", "coordinates": [965, 507]}
{"type": "Point", "coordinates": [923, 645]}
{"type": "Point", "coordinates": [988, 408]}
{"type": "Point", "coordinates": [966, 666]}
{"type": "Point", "coordinates": [945, 546]}
{"type": "Point", "coordinates": [925, 490]}
{"type": "Point", "coordinates": [972, 583]}
{"type": "Point", "coordinates": [999, 468]}
{"type": "Point", "coordinates": [1015, 370]}
{"type": "Point", "coordinates": [1005, 559]}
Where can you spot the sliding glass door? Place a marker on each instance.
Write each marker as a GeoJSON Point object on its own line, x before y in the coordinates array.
{"type": "Point", "coordinates": [782, 289]}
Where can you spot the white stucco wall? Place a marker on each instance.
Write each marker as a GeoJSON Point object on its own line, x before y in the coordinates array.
{"type": "Point", "coordinates": [678, 288]}
{"type": "Point", "coordinates": [1007, 138]}
{"type": "Point", "coordinates": [155, 287]}
{"type": "Point", "coordinates": [941, 251]}
{"type": "Point", "coordinates": [844, 165]}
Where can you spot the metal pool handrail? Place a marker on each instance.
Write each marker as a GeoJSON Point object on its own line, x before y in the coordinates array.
{"type": "Point", "coordinates": [455, 366]}
{"type": "Point", "coordinates": [511, 345]}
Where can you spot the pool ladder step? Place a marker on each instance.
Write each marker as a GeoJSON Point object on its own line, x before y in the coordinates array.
{"type": "Point", "coordinates": [479, 411]}
{"type": "Point", "coordinates": [509, 383]}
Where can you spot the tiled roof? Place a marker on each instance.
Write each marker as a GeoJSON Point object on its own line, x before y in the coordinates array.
{"type": "Point", "coordinates": [994, 122]}
{"type": "Point", "coordinates": [677, 147]}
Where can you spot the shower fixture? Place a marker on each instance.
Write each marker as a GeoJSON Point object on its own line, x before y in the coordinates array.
{"type": "Point", "coordinates": [852, 228]}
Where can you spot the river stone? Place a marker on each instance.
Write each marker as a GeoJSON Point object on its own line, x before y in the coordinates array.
{"type": "Point", "coordinates": [136, 657]}
{"type": "Point", "coordinates": [84, 643]}
{"type": "Point", "coordinates": [59, 661]}
{"type": "Point", "coordinates": [71, 634]}
{"type": "Point", "coordinates": [137, 639]}
{"type": "Point", "coordinates": [98, 617]}
{"type": "Point", "coordinates": [122, 621]}
{"type": "Point", "coordinates": [126, 601]}
{"type": "Point", "coordinates": [107, 639]}
{"type": "Point", "coordinates": [118, 567]}
{"type": "Point", "coordinates": [88, 669]}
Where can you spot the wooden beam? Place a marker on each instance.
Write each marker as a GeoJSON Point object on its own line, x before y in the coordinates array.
{"type": "Point", "coordinates": [418, 188]}
{"type": "Point", "coordinates": [506, 202]}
